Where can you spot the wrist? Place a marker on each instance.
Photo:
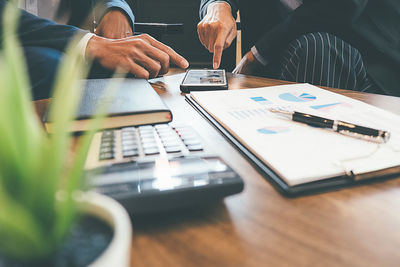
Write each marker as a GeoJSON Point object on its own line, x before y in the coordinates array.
{"type": "Point", "coordinates": [251, 59]}
{"type": "Point", "coordinates": [95, 47]}
{"type": "Point", "coordinates": [220, 6]}
{"type": "Point", "coordinates": [117, 12]}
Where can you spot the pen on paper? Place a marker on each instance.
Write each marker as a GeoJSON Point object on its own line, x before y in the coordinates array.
{"type": "Point", "coordinates": [341, 127]}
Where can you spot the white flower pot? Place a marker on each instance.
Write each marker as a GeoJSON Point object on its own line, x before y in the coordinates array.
{"type": "Point", "coordinates": [107, 209]}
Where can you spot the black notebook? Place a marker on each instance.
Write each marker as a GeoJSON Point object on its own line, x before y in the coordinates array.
{"type": "Point", "coordinates": [135, 103]}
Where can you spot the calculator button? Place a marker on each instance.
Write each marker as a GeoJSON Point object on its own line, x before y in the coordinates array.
{"type": "Point", "coordinates": [107, 139]}
{"type": "Point", "coordinates": [188, 136]}
{"type": "Point", "coordinates": [129, 147]}
{"type": "Point", "coordinates": [106, 156]}
{"type": "Point", "coordinates": [150, 146]}
{"type": "Point", "coordinates": [170, 139]}
{"type": "Point", "coordinates": [128, 134]}
{"type": "Point", "coordinates": [151, 151]}
{"type": "Point", "coordinates": [167, 133]}
{"type": "Point", "coordinates": [172, 149]}
{"type": "Point", "coordinates": [146, 131]}
{"type": "Point", "coordinates": [107, 134]}
{"type": "Point", "coordinates": [129, 142]}
{"type": "Point", "coordinates": [107, 150]}
{"type": "Point", "coordinates": [171, 143]}
{"type": "Point", "coordinates": [195, 147]}
{"type": "Point", "coordinates": [130, 153]}
{"type": "Point", "coordinates": [107, 144]}
{"type": "Point", "coordinates": [129, 129]}
{"type": "Point", "coordinates": [145, 127]}
{"type": "Point", "coordinates": [191, 142]}
{"type": "Point", "coordinates": [148, 140]}
{"type": "Point", "coordinates": [149, 135]}
{"type": "Point", "coordinates": [129, 139]}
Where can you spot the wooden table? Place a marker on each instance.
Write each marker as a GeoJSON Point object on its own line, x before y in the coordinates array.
{"type": "Point", "coordinates": [259, 227]}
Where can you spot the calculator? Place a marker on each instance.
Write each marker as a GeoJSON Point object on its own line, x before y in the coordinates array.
{"type": "Point", "coordinates": [155, 168]}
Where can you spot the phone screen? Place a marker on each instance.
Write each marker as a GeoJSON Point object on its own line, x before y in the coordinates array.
{"type": "Point", "coordinates": [205, 77]}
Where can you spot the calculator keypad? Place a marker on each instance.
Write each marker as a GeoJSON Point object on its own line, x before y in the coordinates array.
{"type": "Point", "coordinates": [146, 141]}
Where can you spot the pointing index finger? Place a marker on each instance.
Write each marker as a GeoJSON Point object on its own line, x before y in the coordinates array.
{"type": "Point", "coordinates": [219, 48]}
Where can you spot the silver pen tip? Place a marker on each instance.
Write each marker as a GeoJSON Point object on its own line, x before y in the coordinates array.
{"type": "Point", "coordinates": [281, 110]}
{"type": "Point", "coordinates": [385, 136]}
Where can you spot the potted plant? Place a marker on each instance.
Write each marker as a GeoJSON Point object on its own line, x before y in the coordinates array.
{"type": "Point", "coordinates": [45, 217]}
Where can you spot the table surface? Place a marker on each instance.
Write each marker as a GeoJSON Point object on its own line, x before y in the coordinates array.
{"type": "Point", "coordinates": [357, 226]}
{"type": "Point", "coordinates": [259, 227]}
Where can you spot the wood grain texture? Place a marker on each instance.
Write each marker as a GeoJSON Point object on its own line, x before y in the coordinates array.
{"type": "Point", "coordinates": [259, 227]}
{"type": "Point", "coordinates": [352, 227]}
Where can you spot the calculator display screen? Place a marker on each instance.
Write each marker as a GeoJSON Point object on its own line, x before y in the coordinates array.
{"type": "Point", "coordinates": [166, 174]}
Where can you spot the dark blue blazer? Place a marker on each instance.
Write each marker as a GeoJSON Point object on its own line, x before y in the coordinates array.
{"type": "Point", "coordinates": [82, 13]}
{"type": "Point", "coordinates": [35, 31]}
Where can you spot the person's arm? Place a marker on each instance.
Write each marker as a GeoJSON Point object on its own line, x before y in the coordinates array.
{"type": "Point", "coordinates": [313, 16]}
{"type": "Point", "coordinates": [217, 29]}
{"type": "Point", "coordinates": [110, 18]}
{"type": "Point", "coordinates": [116, 19]}
{"type": "Point", "coordinates": [34, 31]}
{"type": "Point", "coordinates": [205, 3]}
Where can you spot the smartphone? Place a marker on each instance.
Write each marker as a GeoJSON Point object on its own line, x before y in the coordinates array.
{"type": "Point", "coordinates": [204, 80]}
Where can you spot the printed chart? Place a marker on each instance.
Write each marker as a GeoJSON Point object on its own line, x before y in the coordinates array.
{"type": "Point", "coordinates": [330, 107]}
{"type": "Point", "coordinates": [261, 100]}
{"type": "Point", "coordinates": [248, 113]}
{"type": "Point", "coordinates": [273, 130]}
{"type": "Point", "coordinates": [297, 97]}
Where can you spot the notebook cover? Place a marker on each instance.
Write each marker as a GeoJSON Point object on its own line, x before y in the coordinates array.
{"type": "Point", "coordinates": [133, 97]}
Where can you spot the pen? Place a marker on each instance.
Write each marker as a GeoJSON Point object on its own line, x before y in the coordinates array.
{"type": "Point", "coordinates": [341, 127]}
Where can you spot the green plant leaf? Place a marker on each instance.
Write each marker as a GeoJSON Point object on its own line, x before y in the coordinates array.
{"type": "Point", "coordinates": [33, 165]}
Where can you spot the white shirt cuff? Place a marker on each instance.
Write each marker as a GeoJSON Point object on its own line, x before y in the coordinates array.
{"type": "Point", "coordinates": [258, 56]}
{"type": "Point", "coordinates": [82, 44]}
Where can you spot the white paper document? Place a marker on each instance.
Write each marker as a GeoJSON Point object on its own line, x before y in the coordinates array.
{"type": "Point", "coordinates": [299, 153]}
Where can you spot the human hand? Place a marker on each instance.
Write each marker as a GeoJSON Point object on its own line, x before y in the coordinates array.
{"type": "Point", "coordinates": [114, 25]}
{"type": "Point", "coordinates": [141, 55]}
{"type": "Point", "coordinates": [249, 65]}
{"type": "Point", "coordinates": [217, 30]}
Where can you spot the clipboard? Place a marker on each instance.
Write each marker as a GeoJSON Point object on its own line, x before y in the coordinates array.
{"type": "Point", "coordinates": [315, 187]}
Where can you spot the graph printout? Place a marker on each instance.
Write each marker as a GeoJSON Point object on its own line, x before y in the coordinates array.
{"type": "Point", "coordinates": [297, 152]}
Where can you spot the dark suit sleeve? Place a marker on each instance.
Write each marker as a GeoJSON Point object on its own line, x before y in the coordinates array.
{"type": "Point", "coordinates": [105, 5]}
{"type": "Point", "coordinates": [205, 3]}
{"type": "Point", "coordinates": [331, 16]}
{"type": "Point", "coordinates": [34, 31]}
